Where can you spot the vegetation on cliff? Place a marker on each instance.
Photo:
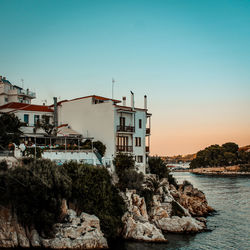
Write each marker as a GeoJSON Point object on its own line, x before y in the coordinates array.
{"type": "Point", "coordinates": [9, 130]}
{"type": "Point", "coordinates": [35, 191]}
{"type": "Point", "coordinates": [215, 155]}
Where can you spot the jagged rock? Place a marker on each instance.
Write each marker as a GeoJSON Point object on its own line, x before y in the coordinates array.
{"type": "Point", "coordinates": [12, 234]}
{"type": "Point", "coordinates": [194, 200]}
{"type": "Point", "coordinates": [77, 232]}
{"type": "Point", "coordinates": [136, 223]}
{"type": "Point", "coordinates": [35, 239]}
{"type": "Point", "coordinates": [180, 225]}
{"type": "Point", "coordinates": [81, 232]}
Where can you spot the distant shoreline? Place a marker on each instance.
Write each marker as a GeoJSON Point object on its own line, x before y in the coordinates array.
{"type": "Point", "coordinates": [217, 171]}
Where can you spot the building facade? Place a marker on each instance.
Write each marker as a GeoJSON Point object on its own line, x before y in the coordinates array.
{"type": "Point", "coordinates": [121, 128]}
{"type": "Point", "coordinates": [12, 93]}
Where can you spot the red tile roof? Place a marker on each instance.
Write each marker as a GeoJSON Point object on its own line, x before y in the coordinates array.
{"type": "Point", "coordinates": [25, 106]}
{"type": "Point", "coordinates": [90, 96]}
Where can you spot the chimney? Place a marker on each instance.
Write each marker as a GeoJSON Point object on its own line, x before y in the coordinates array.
{"type": "Point", "coordinates": [124, 100]}
{"type": "Point", "coordinates": [145, 102]}
{"type": "Point", "coordinates": [132, 100]}
{"type": "Point", "coordinates": [55, 112]}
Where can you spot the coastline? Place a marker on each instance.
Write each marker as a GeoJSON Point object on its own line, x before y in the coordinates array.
{"type": "Point", "coordinates": [217, 171]}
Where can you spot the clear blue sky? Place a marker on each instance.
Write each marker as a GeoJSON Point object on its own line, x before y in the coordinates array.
{"type": "Point", "coordinates": [192, 59]}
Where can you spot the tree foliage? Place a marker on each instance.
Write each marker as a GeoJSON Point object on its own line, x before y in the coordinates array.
{"type": "Point", "coordinates": [215, 155]}
{"type": "Point", "coordinates": [35, 192]}
{"type": "Point", "coordinates": [93, 192]}
{"type": "Point", "coordinates": [128, 176]}
{"type": "Point", "coordinates": [101, 148]}
{"type": "Point", "coordinates": [9, 129]}
{"type": "Point", "coordinates": [157, 166]}
{"type": "Point", "coordinates": [45, 124]}
{"type": "Point", "coordinates": [36, 189]}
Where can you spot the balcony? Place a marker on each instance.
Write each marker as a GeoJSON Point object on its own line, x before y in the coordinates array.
{"type": "Point", "coordinates": [129, 129]}
{"type": "Point", "coordinates": [147, 149]}
{"type": "Point", "coordinates": [27, 93]}
{"type": "Point", "coordinates": [122, 148]}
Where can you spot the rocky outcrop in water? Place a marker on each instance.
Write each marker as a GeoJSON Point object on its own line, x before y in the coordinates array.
{"type": "Point", "coordinates": [75, 232]}
{"type": "Point", "coordinates": [192, 199]}
{"type": "Point", "coordinates": [166, 214]}
{"type": "Point", "coordinates": [170, 216]}
{"type": "Point", "coordinates": [136, 220]}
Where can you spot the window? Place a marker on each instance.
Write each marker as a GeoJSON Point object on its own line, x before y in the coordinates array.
{"type": "Point", "coordinates": [36, 118]}
{"type": "Point", "coordinates": [140, 123]}
{"type": "Point", "coordinates": [138, 141]}
{"type": "Point", "coordinates": [139, 158]}
{"type": "Point", "coordinates": [26, 118]}
{"type": "Point", "coordinates": [6, 99]}
{"type": "Point", "coordinates": [122, 121]}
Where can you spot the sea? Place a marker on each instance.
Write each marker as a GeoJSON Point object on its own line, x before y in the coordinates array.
{"type": "Point", "coordinates": [229, 227]}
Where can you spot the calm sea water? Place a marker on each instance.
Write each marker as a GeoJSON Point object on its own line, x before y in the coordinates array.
{"type": "Point", "coordinates": [230, 226]}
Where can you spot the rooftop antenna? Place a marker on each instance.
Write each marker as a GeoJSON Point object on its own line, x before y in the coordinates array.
{"type": "Point", "coordinates": [22, 81]}
{"type": "Point", "coordinates": [113, 81]}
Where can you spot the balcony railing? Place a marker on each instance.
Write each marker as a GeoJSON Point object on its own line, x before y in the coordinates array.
{"type": "Point", "coordinates": [147, 149]}
{"type": "Point", "coordinates": [125, 129]}
{"type": "Point", "coordinates": [122, 148]}
{"type": "Point", "coordinates": [147, 131]}
{"type": "Point", "coordinates": [27, 92]}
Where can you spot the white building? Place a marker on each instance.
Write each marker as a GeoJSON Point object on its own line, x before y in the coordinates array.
{"type": "Point", "coordinates": [12, 93]}
{"type": "Point", "coordinates": [121, 128]}
{"type": "Point", "coordinates": [28, 113]}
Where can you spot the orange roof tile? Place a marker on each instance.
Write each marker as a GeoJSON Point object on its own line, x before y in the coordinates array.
{"type": "Point", "coordinates": [25, 106]}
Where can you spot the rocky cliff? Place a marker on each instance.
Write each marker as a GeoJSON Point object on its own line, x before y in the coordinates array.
{"type": "Point", "coordinates": [174, 210]}
{"type": "Point", "coordinates": [75, 232]}
{"type": "Point", "coordinates": [171, 210]}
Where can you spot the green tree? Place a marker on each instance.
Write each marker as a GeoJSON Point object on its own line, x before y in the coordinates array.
{"type": "Point", "coordinates": [158, 167]}
{"type": "Point", "coordinates": [9, 130]}
{"type": "Point", "coordinates": [230, 147]}
{"type": "Point", "coordinates": [128, 176]}
{"type": "Point", "coordinates": [45, 124]}
{"type": "Point", "coordinates": [101, 148]}
{"type": "Point", "coordinates": [93, 193]}
{"type": "Point", "coordinates": [35, 192]}
{"type": "Point", "coordinates": [123, 162]}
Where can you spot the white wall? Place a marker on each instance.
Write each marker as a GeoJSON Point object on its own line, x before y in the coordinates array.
{"type": "Point", "coordinates": [79, 156]}
{"type": "Point", "coordinates": [20, 115]}
{"type": "Point", "coordinates": [140, 132]}
{"type": "Point", "coordinates": [90, 120]}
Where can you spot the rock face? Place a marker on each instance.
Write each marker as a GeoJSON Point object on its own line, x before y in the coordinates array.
{"type": "Point", "coordinates": [136, 220]}
{"type": "Point", "coordinates": [192, 199]}
{"type": "Point", "coordinates": [77, 232]}
{"type": "Point", "coordinates": [12, 234]}
{"type": "Point", "coordinates": [177, 224]}
{"type": "Point", "coordinates": [81, 232]}
{"type": "Point", "coordinates": [170, 216]}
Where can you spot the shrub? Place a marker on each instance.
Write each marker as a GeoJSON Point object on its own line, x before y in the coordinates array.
{"type": "Point", "coordinates": [35, 192]}
{"type": "Point", "coordinates": [93, 192]}
{"type": "Point", "coordinates": [101, 148]}
{"type": "Point", "coordinates": [3, 166]}
{"type": "Point", "coordinates": [130, 179]}
{"type": "Point", "coordinates": [123, 162]}
{"type": "Point", "coordinates": [32, 152]}
{"type": "Point", "coordinates": [157, 166]}
{"type": "Point", "coordinates": [245, 168]}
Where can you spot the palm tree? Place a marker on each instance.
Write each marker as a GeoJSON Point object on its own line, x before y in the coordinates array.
{"type": "Point", "coordinates": [154, 184]}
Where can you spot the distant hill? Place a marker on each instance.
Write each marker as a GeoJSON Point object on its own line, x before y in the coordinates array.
{"type": "Point", "coordinates": [245, 148]}
{"type": "Point", "coordinates": [190, 157]}
{"type": "Point", "coordinates": [178, 158]}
